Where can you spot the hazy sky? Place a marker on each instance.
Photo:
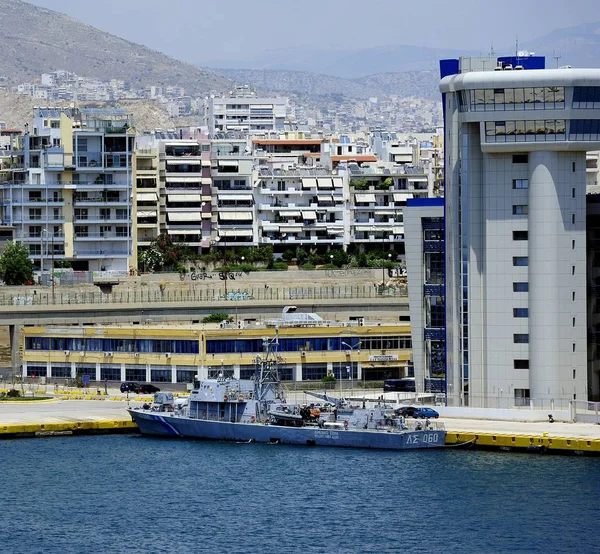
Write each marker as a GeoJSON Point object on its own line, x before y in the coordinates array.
{"type": "Point", "coordinates": [204, 30]}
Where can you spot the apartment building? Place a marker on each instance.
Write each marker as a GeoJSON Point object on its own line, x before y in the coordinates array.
{"type": "Point", "coordinates": [73, 204]}
{"type": "Point", "coordinates": [516, 143]}
{"type": "Point", "coordinates": [377, 195]}
{"type": "Point", "coordinates": [300, 206]}
{"type": "Point", "coordinates": [244, 111]}
{"type": "Point", "coordinates": [12, 173]}
{"type": "Point", "coordinates": [232, 168]}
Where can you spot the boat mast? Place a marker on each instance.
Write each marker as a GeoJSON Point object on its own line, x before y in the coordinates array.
{"type": "Point", "coordinates": [267, 384]}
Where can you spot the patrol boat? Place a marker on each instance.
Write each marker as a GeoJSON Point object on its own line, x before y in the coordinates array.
{"type": "Point", "coordinates": [256, 411]}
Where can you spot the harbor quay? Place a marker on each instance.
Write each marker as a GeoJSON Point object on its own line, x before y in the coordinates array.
{"type": "Point", "coordinates": [58, 417]}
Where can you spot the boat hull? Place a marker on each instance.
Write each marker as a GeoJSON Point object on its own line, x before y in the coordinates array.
{"type": "Point", "coordinates": [162, 424]}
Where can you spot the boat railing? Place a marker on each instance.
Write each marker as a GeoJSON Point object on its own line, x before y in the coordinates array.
{"type": "Point", "coordinates": [419, 425]}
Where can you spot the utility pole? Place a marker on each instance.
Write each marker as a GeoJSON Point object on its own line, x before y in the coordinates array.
{"type": "Point", "coordinates": [52, 268]}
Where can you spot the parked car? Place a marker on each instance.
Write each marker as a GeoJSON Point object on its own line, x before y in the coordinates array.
{"type": "Point", "coordinates": [424, 412]}
{"type": "Point", "coordinates": [129, 386]}
{"type": "Point", "coordinates": [406, 411]}
{"type": "Point", "coordinates": [147, 388]}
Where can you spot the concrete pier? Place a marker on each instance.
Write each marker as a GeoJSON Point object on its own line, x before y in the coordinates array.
{"type": "Point", "coordinates": [108, 416]}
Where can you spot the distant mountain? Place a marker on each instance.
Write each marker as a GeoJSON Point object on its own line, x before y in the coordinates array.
{"type": "Point", "coordinates": [36, 40]}
{"type": "Point", "coordinates": [347, 64]}
{"type": "Point", "coordinates": [299, 82]}
{"type": "Point", "coordinates": [577, 46]}
{"type": "Point", "coordinates": [420, 84]}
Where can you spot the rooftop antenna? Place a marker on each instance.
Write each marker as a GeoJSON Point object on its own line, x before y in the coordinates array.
{"type": "Point", "coordinates": [556, 57]}
{"type": "Point", "coordinates": [492, 53]}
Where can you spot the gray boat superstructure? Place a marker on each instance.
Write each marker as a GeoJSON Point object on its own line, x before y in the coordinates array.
{"type": "Point", "coordinates": [256, 411]}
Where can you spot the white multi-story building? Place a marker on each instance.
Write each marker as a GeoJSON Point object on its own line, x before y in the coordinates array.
{"type": "Point", "coordinates": [300, 206]}
{"type": "Point", "coordinates": [515, 159]}
{"type": "Point", "coordinates": [75, 203]}
{"type": "Point", "coordinates": [244, 111]}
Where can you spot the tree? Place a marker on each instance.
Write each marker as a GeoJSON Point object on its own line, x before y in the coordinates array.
{"type": "Point", "coordinates": [15, 266]}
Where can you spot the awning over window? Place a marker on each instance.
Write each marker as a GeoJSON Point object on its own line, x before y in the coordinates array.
{"type": "Point", "coordinates": [270, 226]}
{"type": "Point", "coordinates": [184, 232]}
{"type": "Point", "coordinates": [146, 214]}
{"type": "Point", "coordinates": [364, 228]}
{"type": "Point", "coordinates": [146, 197]}
{"type": "Point", "coordinates": [290, 214]}
{"type": "Point", "coordinates": [398, 230]}
{"type": "Point", "coordinates": [421, 179]}
{"type": "Point", "coordinates": [182, 161]}
{"type": "Point", "coordinates": [324, 183]}
{"type": "Point", "coordinates": [370, 197]}
{"type": "Point", "coordinates": [184, 197]}
{"type": "Point", "coordinates": [236, 216]}
{"type": "Point", "coordinates": [177, 217]}
{"type": "Point", "coordinates": [235, 232]}
{"type": "Point", "coordinates": [401, 197]}
{"type": "Point", "coordinates": [236, 197]}
{"type": "Point", "coordinates": [338, 182]}
{"type": "Point", "coordinates": [173, 179]}
{"type": "Point", "coordinates": [292, 229]}
{"type": "Point", "coordinates": [309, 183]}
{"type": "Point", "coordinates": [308, 214]}
{"type": "Point", "coordinates": [324, 198]}
{"type": "Point", "coordinates": [228, 163]}
{"type": "Point", "coordinates": [206, 198]}
{"type": "Point", "coordinates": [335, 231]}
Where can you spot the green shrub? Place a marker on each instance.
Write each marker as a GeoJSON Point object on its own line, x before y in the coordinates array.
{"type": "Point", "coordinates": [307, 266]}
{"type": "Point", "coordinates": [13, 393]}
{"type": "Point", "coordinates": [280, 266]}
{"type": "Point", "coordinates": [217, 318]}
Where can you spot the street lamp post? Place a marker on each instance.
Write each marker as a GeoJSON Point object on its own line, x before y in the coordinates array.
{"type": "Point", "coordinates": [351, 369]}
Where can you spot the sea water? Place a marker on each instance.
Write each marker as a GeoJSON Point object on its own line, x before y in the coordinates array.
{"type": "Point", "coordinates": [117, 494]}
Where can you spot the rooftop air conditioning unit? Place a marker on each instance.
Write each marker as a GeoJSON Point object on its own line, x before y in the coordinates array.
{"type": "Point", "coordinates": [137, 354]}
{"type": "Point", "coordinates": [67, 352]}
{"type": "Point", "coordinates": [82, 353]}
{"type": "Point", "coordinates": [108, 354]}
{"type": "Point", "coordinates": [168, 354]}
{"type": "Point", "coordinates": [303, 353]}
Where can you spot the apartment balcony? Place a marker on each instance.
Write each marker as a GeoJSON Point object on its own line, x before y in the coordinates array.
{"type": "Point", "coordinates": [95, 185]}
{"type": "Point", "coordinates": [94, 236]}
{"type": "Point", "coordinates": [117, 160]}
{"type": "Point", "coordinates": [119, 202]}
{"type": "Point", "coordinates": [89, 160]}
{"type": "Point", "coordinates": [100, 253]}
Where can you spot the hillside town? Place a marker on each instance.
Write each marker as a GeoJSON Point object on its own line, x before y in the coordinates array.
{"type": "Point", "coordinates": [330, 113]}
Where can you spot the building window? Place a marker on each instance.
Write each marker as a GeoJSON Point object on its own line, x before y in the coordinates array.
{"type": "Point", "coordinates": [520, 287]}
{"type": "Point", "coordinates": [572, 270]}
{"type": "Point", "coordinates": [35, 213]}
{"type": "Point", "coordinates": [520, 209]}
{"type": "Point", "coordinates": [531, 130]}
{"type": "Point", "coordinates": [573, 347]}
{"type": "Point", "coordinates": [573, 219]}
{"type": "Point", "coordinates": [520, 235]}
{"type": "Point", "coordinates": [521, 364]}
{"type": "Point", "coordinates": [573, 296]}
{"type": "Point", "coordinates": [573, 192]}
{"type": "Point", "coordinates": [584, 130]}
{"type": "Point", "coordinates": [520, 183]}
{"type": "Point", "coordinates": [573, 244]}
{"type": "Point", "coordinates": [574, 374]}
{"type": "Point", "coordinates": [521, 338]}
{"type": "Point", "coordinates": [520, 312]}
{"type": "Point", "coordinates": [586, 97]}
{"type": "Point", "coordinates": [520, 158]}
{"type": "Point", "coordinates": [520, 261]}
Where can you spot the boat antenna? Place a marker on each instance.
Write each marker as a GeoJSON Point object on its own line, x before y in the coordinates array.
{"type": "Point", "coordinates": [267, 382]}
